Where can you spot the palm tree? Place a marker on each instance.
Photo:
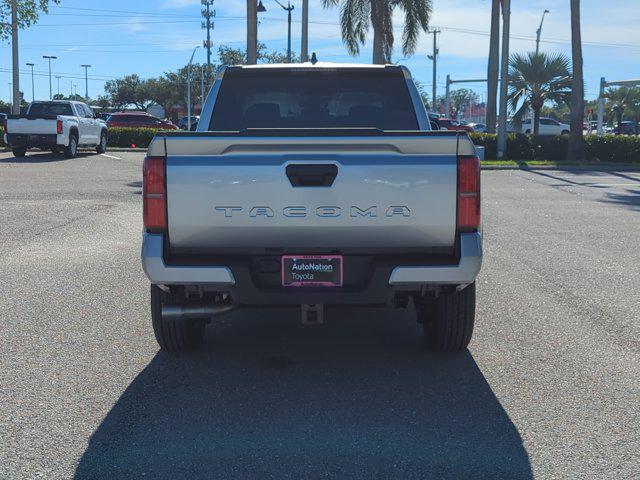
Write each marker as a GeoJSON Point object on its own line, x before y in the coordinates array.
{"type": "Point", "coordinates": [622, 98]}
{"type": "Point", "coordinates": [357, 16]}
{"type": "Point", "coordinates": [576, 105]}
{"type": "Point", "coordinates": [535, 78]}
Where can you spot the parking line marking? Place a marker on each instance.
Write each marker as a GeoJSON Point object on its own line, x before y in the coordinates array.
{"type": "Point", "coordinates": [110, 156]}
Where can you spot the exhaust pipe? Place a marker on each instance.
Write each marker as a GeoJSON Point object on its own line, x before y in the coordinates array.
{"type": "Point", "coordinates": [195, 310]}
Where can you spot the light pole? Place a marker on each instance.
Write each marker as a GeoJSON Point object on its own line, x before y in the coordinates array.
{"type": "Point", "coordinates": [504, 80]}
{"type": "Point", "coordinates": [33, 94]}
{"type": "Point", "coordinates": [58, 77]}
{"type": "Point", "coordinates": [252, 31]}
{"type": "Point", "coordinates": [201, 87]}
{"type": "Point", "coordinates": [189, 89]}
{"type": "Point", "coordinates": [434, 57]}
{"type": "Point", "coordinates": [50, 57]}
{"type": "Point", "coordinates": [304, 50]}
{"type": "Point", "coordinates": [15, 94]}
{"type": "Point", "coordinates": [289, 8]}
{"type": "Point", "coordinates": [539, 32]}
{"type": "Point", "coordinates": [10, 94]}
{"type": "Point", "coordinates": [86, 81]}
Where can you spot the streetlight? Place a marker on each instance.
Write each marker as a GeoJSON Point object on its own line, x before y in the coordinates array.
{"type": "Point", "coordinates": [189, 89]}
{"type": "Point", "coordinates": [58, 77]}
{"type": "Point", "coordinates": [50, 57]}
{"type": "Point", "coordinates": [539, 32]}
{"type": "Point", "coordinates": [289, 8]}
{"type": "Point", "coordinates": [33, 95]}
{"type": "Point", "coordinates": [86, 81]}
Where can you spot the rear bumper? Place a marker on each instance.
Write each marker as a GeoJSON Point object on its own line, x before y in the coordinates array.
{"type": "Point", "coordinates": [384, 282]}
{"type": "Point", "coordinates": [464, 272]}
{"type": "Point", "coordinates": [34, 140]}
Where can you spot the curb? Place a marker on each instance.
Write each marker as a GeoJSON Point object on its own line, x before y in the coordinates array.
{"type": "Point", "coordinates": [593, 167]}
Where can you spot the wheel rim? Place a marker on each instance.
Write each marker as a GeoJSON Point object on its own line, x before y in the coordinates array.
{"type": "Point", "coordinates": [74, 145]}
{"type": "Point", "coordinates": [103, 142]}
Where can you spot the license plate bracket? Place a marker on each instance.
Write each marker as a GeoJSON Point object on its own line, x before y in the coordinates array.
{"type": "Point", "coordinates": [312, 270]}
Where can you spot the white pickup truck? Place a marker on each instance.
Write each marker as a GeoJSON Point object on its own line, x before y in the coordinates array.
{"type": "Point", "coordinates": [57, 125]}
{"type": "Point", "coordinates": [312, 186]}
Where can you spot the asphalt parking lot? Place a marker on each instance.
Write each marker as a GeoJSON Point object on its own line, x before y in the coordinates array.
{"type": "Point", "coordinates": [548, 389]}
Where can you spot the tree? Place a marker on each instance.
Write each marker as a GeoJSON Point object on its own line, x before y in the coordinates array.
{"type": "Point", "coordinates": [102, 101]}
{"type": "Point", "coordinates": [534, 79]}
{"type": "Point", "coordinates": [576, 148]}
{"type": "Point", "coordinates": [357, 16]}
{"type": "Point", "coordinates": [462, 97]}
{"type": "Point", "coordinates": [28, 14]}
{"type": "Point", "coordinates": [623, 99]}
{"type": "Point", "coordinates": [129, 90]}
{"type": "Point", "coordinates": [493, 67]}
{"type": "Point", "coordinates": [424, 96]}
{"type": "Point", "coordinates": [231, 56]}
{"type": "Point", "coordinates": [235, 56]}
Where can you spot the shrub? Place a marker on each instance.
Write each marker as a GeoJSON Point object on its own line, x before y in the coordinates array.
{"type": "Point", "coordinates": [607, 148]}
{"type": "Point", "coordinates": [127, 137]}
{"type": "Point", "coordinates": [1, 137]}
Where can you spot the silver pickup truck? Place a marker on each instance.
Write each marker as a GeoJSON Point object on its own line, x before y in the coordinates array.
{"type": "Point", "coordinates": [312, 186]}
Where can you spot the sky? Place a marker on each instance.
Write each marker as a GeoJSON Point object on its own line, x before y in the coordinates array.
{"type": "Point", "coordinates": [119, 37]}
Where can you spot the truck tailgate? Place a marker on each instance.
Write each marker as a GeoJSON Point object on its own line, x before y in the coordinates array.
{"type": "Point", "coordinates": [32, 126]}
{"type": "Point", "coordinates": [304, 194]}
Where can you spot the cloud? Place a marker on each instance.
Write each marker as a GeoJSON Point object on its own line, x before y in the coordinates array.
{"type": "Point", "coordinates": [135, 25]}
{"type": "Point", "coordinates": [179, 3]}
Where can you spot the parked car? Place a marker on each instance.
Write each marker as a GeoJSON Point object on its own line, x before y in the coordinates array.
{"type": "Point", "coordinates": [548, 126]}
{"type": "Point", "coordinates": [3, 117]}
{"type": "Point", "coordinates": [628, 127]}
{"type": "Point", "coordinates": [478, 127]}
{"type": "Point", "coordinates": [139, 120]}
{"type": "Point", "coordinates": [183, 123]}
{"type": "Point", "coordinates": [449, 124]}
{"type": "Point", "coordinates": [434, 119]}
{"type": "Point", "coordinates": [255, 212]}
{"type": "Point", "coordinates": [55, 125]}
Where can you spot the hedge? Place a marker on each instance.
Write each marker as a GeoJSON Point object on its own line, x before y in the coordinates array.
{"type": "Point", "coordinates": [607, 148]}
{"type": "Point", "coordinates": [130, 137]}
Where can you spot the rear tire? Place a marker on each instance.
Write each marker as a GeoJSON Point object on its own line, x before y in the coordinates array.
{"type": "Point", "coordinates": [102, 146]}
{"type": "Point", "coordinates": [71, 151]}
{"type": "Point", "coordinates": [565, 132]}
{"type": "Point", "coordinates": [448, 320]}
{"type": "Point", "coordinates": [174, 335]}
{"type": "Point", "coordinates": [19, 152]}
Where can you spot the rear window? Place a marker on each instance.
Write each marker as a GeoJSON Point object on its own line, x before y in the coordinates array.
{"type": "Point", "coordinates": [50, 108]}
{"type": "Point", "coordinates": [313, 99]}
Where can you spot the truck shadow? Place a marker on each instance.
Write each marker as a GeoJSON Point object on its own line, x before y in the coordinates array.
{"type": "Point", "coordinates": [44, 157]}
{"type": "Point", "coordinates": [268, 398]}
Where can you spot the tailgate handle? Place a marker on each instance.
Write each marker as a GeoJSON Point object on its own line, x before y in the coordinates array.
{"type": "Point", "coordinates": [306, 175]}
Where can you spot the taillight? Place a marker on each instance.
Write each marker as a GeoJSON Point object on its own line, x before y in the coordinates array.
{"type": "Point", "coordinates": [154, 201]}
{"type": "Point", "coordinates": [468, 218]}
{"type": "Point", "coordinates": [59, 127]}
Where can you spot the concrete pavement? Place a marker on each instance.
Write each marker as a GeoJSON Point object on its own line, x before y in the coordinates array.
{"type": "Point", "coordinates": [548, 389]}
